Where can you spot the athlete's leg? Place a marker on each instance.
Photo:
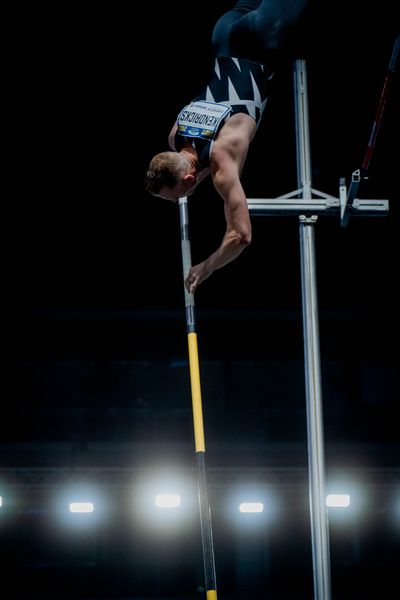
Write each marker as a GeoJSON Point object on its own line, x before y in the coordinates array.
{"type": "Point", "coordinates": [222, 31]}
{"type": "Point", "coordinates": [260, 34]}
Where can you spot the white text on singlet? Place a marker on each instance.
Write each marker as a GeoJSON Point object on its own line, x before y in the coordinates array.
{"type": "Point", "coordinates": [202, 119]}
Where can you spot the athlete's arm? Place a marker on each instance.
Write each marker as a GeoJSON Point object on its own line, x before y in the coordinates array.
{"type": "Point", "coordinates": [228, 159]}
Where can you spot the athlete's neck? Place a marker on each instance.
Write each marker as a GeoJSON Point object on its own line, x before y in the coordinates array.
{"type": "Point", "coordinates": [191, 156]}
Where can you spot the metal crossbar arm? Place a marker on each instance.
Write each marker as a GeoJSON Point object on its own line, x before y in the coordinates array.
{"type": "Point", "coordinates": [329, 206]}
{"type": "Point", "coordinates": [280, 207]}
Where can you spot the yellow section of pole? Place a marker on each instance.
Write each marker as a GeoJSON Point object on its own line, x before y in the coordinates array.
{"type": "Point", "coordinates": [196, 393]}
{"type": "Point", "coordinates": [211, 595]}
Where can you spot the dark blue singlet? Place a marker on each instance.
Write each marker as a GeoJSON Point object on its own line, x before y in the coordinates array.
{"type": "Point", "coordinates": [235, 82]}
{"type": "Point", "coordinates": [255, 32]}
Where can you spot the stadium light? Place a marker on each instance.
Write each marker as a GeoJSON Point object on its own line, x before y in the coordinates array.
{"type": "Point", "coordinates": [167, 500]}
{"type": "Point", "coordinates": [338, 500]}
{"type": "Point", "coordinates": [81, 507]}
{"type": "Point", "coordinates": [251, 507]}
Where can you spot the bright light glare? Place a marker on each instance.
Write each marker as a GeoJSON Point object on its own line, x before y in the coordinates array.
{"type": "Point", "coordinates": [1, 501]}
{"type": "Point", "coordinates": [251, 507]}
{"type": "Point", "coordinates": [167, 500]}
{"type": "Point", "coordinates": [81, 507]}
{"type": "Point", "coordinates": [338, 500]}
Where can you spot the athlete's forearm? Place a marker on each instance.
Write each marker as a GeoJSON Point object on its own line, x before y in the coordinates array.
{"type": "Point", "coordinates": [232, 245]}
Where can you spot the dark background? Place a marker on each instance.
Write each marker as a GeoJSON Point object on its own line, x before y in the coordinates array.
{"type": "Point", "coordinates": [96, 387]}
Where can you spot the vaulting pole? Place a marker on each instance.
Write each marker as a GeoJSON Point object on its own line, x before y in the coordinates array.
{"type": "Point", "coordinates": [204, 506]}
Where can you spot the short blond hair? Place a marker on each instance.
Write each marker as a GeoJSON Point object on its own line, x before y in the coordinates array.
{"type": "Point", "coordinates": [164, 170]}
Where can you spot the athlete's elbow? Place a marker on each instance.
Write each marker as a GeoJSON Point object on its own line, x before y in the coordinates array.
{"type": "Point", "coordinates": [245, 235]}
{"type": "Point", "coordinates": [239, 236]}
{"type": "Point", "coordinates": [243, 238]}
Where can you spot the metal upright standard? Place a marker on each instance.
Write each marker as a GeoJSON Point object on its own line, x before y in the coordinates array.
{"type": "Point", "coordinates": [204, 506]}
{"type": "Point", "coordinates": [307, 203]}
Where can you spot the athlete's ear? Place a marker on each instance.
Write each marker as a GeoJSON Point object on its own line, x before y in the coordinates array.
{"type": "Point", "coordinates": [190, 179]}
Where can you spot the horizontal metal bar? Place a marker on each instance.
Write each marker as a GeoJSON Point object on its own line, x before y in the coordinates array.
{"type": "Point", "coordinates": [329, 206]}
